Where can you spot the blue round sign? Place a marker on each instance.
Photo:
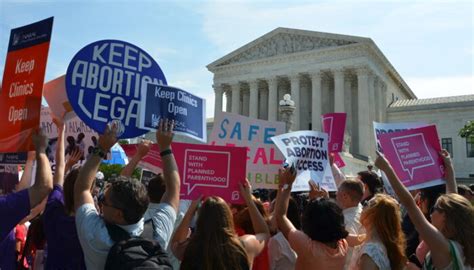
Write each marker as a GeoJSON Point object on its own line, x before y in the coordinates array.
{"type": "Point", "coordinates": [104, 82]}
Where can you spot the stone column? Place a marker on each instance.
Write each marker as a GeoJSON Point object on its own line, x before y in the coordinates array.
{"type": "Point", "coordinates": [272, 99]}
{"type": "Point", "coordinates": [348, 105]}
{"type": "Point", "coordinates": [295, 95]}
{"type": "Point", "coordinates": [235, 98]}
{"type": "Point", "coordinates": [372, 100]}
{"type": "Point", "coordinates": [338, 90]}
{"type": "Point", "coordinates": [228, 95]}
{"type": "Point", "coordinates": [263, 110]}
{"type": "Point", "coordinates": [383, 102]}
{"type": "Point", "coordinates": [218, 99]}
{"type": "Point", "coordinates": [377, 93]}
{"type": "Point", "coordinates": [245, 103]}
{"type": "Point", "coordinates": [253, 109]}
{"type": "Point", "coordinates": [316, 96]}
{"type": "Point", "coordinates": [373, 103]}
{"type": "Point", "coordinates": [363, 111]}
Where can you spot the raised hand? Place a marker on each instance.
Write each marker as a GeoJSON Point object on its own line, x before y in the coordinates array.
{"type": "Point", "coordinates": [74, 157]}
{"type": "Point", "coordinates": [446, 157]}
{"type": "Point", "coordinates": [40, 140]}
{"type": "Point", "coordinates": [286, 176]}
{"type": "Point", "coordinates": [195, 205]}
{"type": "Point", "coordinates": [109, 137]}
{"type": "Point", "coordinates": [246, 190]}
{"type": "Point", "coordinates": [316, 191]}
{"type": "Point", "coordinates": [451, 186]}
{"type": "Point", "coordinates": [144, 148]}
{"type": "Point", "coordinates": [164, 134]}
{"type": "Point", "coordinates": [381, 162]}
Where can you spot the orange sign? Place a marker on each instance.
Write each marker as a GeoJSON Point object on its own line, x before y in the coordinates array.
{"type": "Point", "coordinates": [23, 77]}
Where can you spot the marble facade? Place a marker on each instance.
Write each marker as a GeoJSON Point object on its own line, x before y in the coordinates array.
{"type": "Point", "coordinates": [322, 72]}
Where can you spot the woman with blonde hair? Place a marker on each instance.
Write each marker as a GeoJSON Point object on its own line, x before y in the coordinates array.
{"type": "Point", "coordinates": [450, 235]}
{"type": "Point", "coordinates": [384, 247]}
{"type": "Point", "coordinates": [214, 243]}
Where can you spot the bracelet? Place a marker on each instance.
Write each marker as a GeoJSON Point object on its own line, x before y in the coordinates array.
{"type": "Point", "coordinates": [166, 152]}
{"type": "Point", "coordinates": [285, 187]}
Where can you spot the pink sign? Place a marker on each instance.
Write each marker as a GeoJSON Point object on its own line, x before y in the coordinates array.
{"type": "Point", "coordinates": [414, 156]}
{"type": "Point", "coordinates": [334, 125]}
{"type": "Point", "coordinates": [151, 162]}
{"type": "Point", "coordinates": [54, 92]}
{"type": "Point", "coordinates": [204, 169]}
{"type": "Point", "coordinates": [338, 160]}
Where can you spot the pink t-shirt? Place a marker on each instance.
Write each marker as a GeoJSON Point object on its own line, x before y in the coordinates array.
{"type": "Point", "coordinates": [316, 255]}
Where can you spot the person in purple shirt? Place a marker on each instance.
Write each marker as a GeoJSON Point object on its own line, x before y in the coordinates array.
{"type": "Point", "coordinates": [63, 249]}
{"type": "Point", "coordinates": [8, 252]}
{"type": "Point", "coordinates": [16, 206]}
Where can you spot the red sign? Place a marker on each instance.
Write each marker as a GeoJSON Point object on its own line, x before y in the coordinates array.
{"type": "Point", "coordinates": [23, 77]}
{"type": "Point", "coordinates": [204, 169]}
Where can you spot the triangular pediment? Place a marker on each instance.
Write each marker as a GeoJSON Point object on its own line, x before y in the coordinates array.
{"type": "Point", "coordinates": [284, 41]}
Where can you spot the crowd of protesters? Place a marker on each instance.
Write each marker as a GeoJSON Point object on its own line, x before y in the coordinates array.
{"type": "Point", "coordinates": [73, 223]}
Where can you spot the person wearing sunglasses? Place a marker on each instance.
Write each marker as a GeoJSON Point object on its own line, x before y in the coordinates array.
{"type": "Point", "coordinates": [124, 203]}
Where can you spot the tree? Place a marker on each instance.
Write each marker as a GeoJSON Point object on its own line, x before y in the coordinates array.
{"type": "Point", "coordinates": [123, 141]}
{"type": "Point", "coordinates": [113, 170]}
{"type": "Point", "coordinates": [468, 130]}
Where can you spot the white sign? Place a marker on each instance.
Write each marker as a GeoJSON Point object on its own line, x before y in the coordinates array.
{"type": "Point", "coordinates": [308, 152]}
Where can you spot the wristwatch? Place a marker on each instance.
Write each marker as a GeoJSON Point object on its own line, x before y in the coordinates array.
{"type": "Point", "coordinates": [98, 152]}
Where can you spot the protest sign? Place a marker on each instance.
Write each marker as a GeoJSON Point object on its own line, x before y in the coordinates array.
{"type": "Point", "coordinates": [263, 157]}
{"type": "Point", "coordinates": [54, 92]}
{"type": "Point", "coordinates": [77, 135]}
{"type": "Point", "coordinates": [382, 128]}
{"type": "Point", "coordinates": [13, 158]}
{"type": "Point", "coordinates": [151, 162]}
{"type": "Point", "coordinates": [414, 155]}
{"type": "Point", "coordinates": [103, 83]}
{"type": "Point", "coordinates": [165, 102]}
{"type": "Point", "coordinates": [308, 151]}
{"type": "Point", "coordinates": [20, 97]}
{"type": "Point", "coordinates": [334, 124]}
{"type": "Point", "coordinates": [211, 170]}
{"type": "Point", "coordinates": [338, 160]}
{"type": "Point", "coordinates": [204, 169]}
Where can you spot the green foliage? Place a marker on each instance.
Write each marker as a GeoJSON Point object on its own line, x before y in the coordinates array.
{"type": "Point", "coordinates": [110, 170]}
{"type": "Point", "coordinates": [137, 173]}
{"type": "Point", "coordinates": [113, 170]}
{"type": "Point", "coordinates": [121, 142]}
{"type": "Point", "coordinates": [467, 130]}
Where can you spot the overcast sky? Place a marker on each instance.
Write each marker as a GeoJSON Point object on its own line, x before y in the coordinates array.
{"type": "Point", "coordinates": [430, 43]}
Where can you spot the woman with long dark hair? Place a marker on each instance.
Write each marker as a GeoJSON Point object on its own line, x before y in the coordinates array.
{"type": "Point", "coordinates": [214, 243]}
{"type": "Point", "coordinates": [321, 244]}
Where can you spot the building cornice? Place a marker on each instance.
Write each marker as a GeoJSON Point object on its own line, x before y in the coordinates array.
{"type": "Point", "coordinates": [312, 59]}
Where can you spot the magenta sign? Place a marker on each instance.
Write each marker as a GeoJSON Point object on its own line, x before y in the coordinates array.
{"type": "Point", "coordinates": [414, 155]}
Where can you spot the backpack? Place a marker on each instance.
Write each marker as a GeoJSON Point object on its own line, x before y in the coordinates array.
{"type": "Point", "coordinates": [135, 252]}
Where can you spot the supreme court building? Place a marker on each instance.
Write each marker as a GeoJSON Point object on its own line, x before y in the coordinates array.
{"type": "Point", "coordinates": [333, 73]}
